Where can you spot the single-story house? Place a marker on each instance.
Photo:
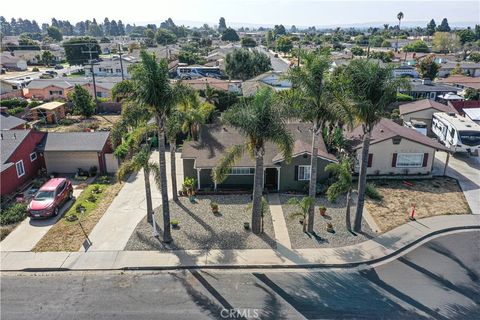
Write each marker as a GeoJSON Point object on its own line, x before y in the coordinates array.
{"type": "Point", "coordinates": [66, 152]}
{"type": "Point", "coordinates": [9, 122]}
{"type": "Point", "coordinates": [11, 62]}
{"type": "Point", "coordinates": [200, 157]}
{"type": "Point", "coordinates": [395, 150]}
{"type": "Point", "coordinates": [9, 89]}
{"type": "Point", "coordinates": [421, 89]}
{"type": "Point", "coordinates": [20, 160]}
{"type": "Point", "coordinates": [423, 110]}
{"type": "Point", "coordinates": [462, 81]}
{"type": "Point", "coordinates": [272, 79]}
{"type": "Point", "coordinates": [234, 86]}
{"type": "Point", "coordinates": [50, 112]}
{"type": "Point", "coordinates": [473, 114]}
{"type": "Point", "coordinates": [405, 71]}
{"type": "Point", "coordinates": [464, 104]}
{"type": "Point", "coordinates": [469, 68]}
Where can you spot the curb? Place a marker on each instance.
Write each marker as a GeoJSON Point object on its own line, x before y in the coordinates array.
{"type": "Point", "coordinates": [267, 266]}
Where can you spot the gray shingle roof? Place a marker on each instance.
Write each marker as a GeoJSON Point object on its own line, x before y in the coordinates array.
{"type": "Point", "coordinates": [75, 141]}
{"type": "Point", "coordinates": [9, 142]}
{"type": "Point", "coordinates": [65, 83]}
{"type": "Point", "coordinates": [423, 105]}
{"type": "Point", "coordinates": [8, 122]}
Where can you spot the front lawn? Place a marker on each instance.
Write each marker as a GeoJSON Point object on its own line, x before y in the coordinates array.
{"type": "Point", "coordinates": [432, 197]}
{"type": "Point", "coordinates": [66, 234]}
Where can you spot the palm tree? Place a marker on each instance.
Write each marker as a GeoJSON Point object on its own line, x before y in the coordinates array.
{"type": "Point", "coordinates": [304, 205]}
{"type": "Point", "coordinates": [260, 120]}
{"type": "Point", "coordinates": [194, 113]}
{"type": "Point", "coordinates": [153, 91]}
{"type": "Point", "coordinates": [371, 88]}
{"type": "Point", "coordinates": [140, 161]}
{"type": "Point", "coordinates": [399, 17]}
{"type": "Point", "coordinates": [173, 129]}
{"type": "Point", "coordinates": [314, 101]}
{"type": "Point", "coordinates": [343, 184]}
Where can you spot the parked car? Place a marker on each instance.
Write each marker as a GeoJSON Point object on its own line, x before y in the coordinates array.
{"type": "Point", "coordinates": [58, 67]}
{"type": "Point", "coordinates": [50, 197]}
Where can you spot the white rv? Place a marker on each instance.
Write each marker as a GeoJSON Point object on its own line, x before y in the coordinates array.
{"type": "Point", "coordinates": [459, 134]}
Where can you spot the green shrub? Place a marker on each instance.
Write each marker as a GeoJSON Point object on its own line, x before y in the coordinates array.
{"type": "Point", "coordinates": [372, 192]}
{"type": "Point", "coordinates": [404, 97]}
{"type": "Point", "coordinates": [14, 213]}
{"type": "Point", "coordinates": [16, 110]}
{"type": "Point", "coordinates": [13, 103]}
{"type": "Point", "coordinates": [35, 69]}
{"type": "Point", "coordinates": [34, 103]}
{"type": "Point", "coordinates": [66, 122]}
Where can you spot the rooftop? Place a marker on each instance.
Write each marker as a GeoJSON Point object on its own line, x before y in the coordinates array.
{"type": "Point", "coordinates": [10, 140]}
{"type": "Point", "coordinates": [8, 122]}
{"type": "Point", "coordinates": [49, 106]}
{"type": "Point", "coordinates": [424, 104]}
{"type": "Point", "coordinates": [75, 141]}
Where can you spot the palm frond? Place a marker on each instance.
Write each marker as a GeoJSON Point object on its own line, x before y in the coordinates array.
{"type": "Point", "coordinates": [220, 172]}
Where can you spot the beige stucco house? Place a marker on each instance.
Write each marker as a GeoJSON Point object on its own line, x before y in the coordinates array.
{"type": "Point", "coordinates": [395, 150]}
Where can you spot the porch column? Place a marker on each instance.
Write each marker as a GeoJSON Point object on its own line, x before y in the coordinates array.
{"type": "Point", "coordinates": [446, 163]}
{"type": "Point", "coordinates": [198, 178]}
{"type": "Point", "coordinates": [278, 178]}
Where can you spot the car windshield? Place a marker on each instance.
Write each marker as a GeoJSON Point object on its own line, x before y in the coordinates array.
{"type": "Point", "coordinates": [44, 195]}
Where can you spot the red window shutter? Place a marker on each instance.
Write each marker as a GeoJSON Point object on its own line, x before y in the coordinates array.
{"type": "Point", "coordinates": [370, 159]}
{"type": "Point", "coordinates": [394, 160]}
{"type": "Point", "coordinates": [425, 159]}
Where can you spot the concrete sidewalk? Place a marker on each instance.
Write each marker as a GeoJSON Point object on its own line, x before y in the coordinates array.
{"type": "Point", "coordinates": [384, 247]}
{"type": "Point", "coordinates": [128, 208]}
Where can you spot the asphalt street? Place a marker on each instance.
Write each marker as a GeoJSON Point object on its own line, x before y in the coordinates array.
{"type": "Point", "coordinates": [439, 280]}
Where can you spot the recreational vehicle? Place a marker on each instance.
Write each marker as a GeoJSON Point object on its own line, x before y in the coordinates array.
{"type": "Point", "coordinates": [459, 134]}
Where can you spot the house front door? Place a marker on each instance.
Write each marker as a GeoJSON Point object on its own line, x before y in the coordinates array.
{"type": "Point", "coordinates": [271, 179]}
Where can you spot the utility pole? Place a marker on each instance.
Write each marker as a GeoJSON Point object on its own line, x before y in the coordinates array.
{"type": "Point", "coordinates": [90, 47]}
{"type": "Point", "coordinates": [299, 51]}
{"type": "Point", "coordinates": [120, 52]}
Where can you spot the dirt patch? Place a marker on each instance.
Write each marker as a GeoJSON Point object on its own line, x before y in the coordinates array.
{"type": "Point", "coordinates": [97, 122]}
{"type": "Point", "coordinates": [432, 197]}
{"type": "Point", "coordinates": [6, 230]}
{"type": "Point", "coordinates": [68, 236]}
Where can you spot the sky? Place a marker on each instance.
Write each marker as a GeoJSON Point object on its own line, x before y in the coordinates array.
{"type": "Point", "coordinates": [254, 12]}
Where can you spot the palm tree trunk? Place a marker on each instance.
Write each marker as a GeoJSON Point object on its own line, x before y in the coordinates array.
{"type": "Point", "coordinates": [362, 182]}
{"type": "Point", "coordinates": [348, 223]}
{"type": "Point", "coordinates": [167, 237]}
{"type": "Point", "coordinates": [173, 170]}
{"type": "Point", "coordinates": [312, 190]}
{"type": "Point", "coordinates": [148, 194]}
{"type": "Point", "coordinates": [257, 193]}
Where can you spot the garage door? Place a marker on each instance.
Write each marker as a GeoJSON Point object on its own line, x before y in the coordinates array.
{"type": "Point", "coordinates": [69, 162]}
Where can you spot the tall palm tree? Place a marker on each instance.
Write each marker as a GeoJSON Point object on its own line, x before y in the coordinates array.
{"type": "Point", "coordinates": [173, 129]}
{"type": "Point", "coordinates": [343, 184]}
{"type": "Point", "coordinates": [399, 17]}
{"type": "Point", "coordinates": [153, 91]}
{"type": "Point", "coordinates": [260, 120]}
{"type": "Point", "coordinates": [314, 101]}
{"type": "Point", "coordinates": [371, 88]}
{"type": "Point", "coordinates": [194, 113]}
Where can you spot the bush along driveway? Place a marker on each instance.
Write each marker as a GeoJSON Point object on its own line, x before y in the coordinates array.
{"type": "Point", "coordinates": [71, 230]}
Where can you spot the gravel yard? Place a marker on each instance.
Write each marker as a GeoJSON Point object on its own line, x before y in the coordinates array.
{"type": "Point", "coordinates": [335, 215]}
{"type": "Point", "coordinates": [199, 228]}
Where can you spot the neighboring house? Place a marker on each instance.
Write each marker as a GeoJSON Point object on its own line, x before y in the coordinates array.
{"type": "Point", "coordinates": [421, 89]}
{"type": "Point", "coordinates": [50, 89]}
{"type": "Point", "coordinates": [199, 157]}
{"type": "Point", "coordinates": [10, 62]}
{"type": "Point", "coordinates": [50, 112]}
{"type": "Point", "coordinates": [111, 68]}
{"type": "Point", "coordinates": [461, 81]}
{"type": "Point", "coordinates": [31, 56]}
{"type": "Point", "coordinates": [233, 86]}
{"type": "Point", "coordinates": [20, 160]}
{"type": "Point", "coordinates": [405, 71]}
{"type": "Point", "coordinates": [460, 106]}
{"type": "Point", "coordinates": [8, 122]}
{"type": "Point", "coordinates": [423, 110]}
{"type": "Point", "coordinates": [469, 68]}
{"type": "Point", "coordinates": [473, 114]}
{"type": "Point", "coordinates": [272, 79]}
{"type": "Point", "coordinates": [9, 90]}
{"type": "Point", "coordinates": [395, 150]}
{"type": "Point", "coordinates": [66, 152]}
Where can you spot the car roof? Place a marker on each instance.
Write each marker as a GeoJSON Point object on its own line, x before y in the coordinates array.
{"type": "Point", "coordinates": [52, 184]}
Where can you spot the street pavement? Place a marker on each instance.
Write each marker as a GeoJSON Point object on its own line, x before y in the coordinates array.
{"type": "Point", "coordinates": [277, 63]}
{"type": "Point", "coordinates": [129, 207]}
{"type": "Point", "coordinates": [466, 169]}
{"type": "Point", "coordinates": [439, 280]}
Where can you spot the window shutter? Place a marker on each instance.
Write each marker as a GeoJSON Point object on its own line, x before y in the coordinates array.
{"type": "Point", "coordinates": [296, 173]}
{"type": "Point", "coordinates": [425, 159]}
{"type": "Point", "coordinates": [370, 159]}
{"type": "Point", "coordinates": [394, 160]}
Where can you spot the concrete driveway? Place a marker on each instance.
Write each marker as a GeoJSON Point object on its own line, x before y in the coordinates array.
{"type": "Point", "coordinates": [466, 169]}
{"type": "Point", "coordinates": [129, 208]}
{"type": "Point", "coordinates": [26, 235]}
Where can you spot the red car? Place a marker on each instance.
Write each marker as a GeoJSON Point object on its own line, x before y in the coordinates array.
{"type": "Point", "coordinates": [50, 197]}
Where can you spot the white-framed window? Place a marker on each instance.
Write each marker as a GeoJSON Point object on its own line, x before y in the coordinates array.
{"type": "Point", "coordinates": [409, 160]}
{"type": "Point", "coordinates": [33, 156]}
{"type": "Point", "coordinates": [304, 172]}
{"type": "Point", "coordinates": [241, 171]}
{"type": "Point", "coordinates": [20, 168]}
{"type": "Point", "coordinates": [56, 92]}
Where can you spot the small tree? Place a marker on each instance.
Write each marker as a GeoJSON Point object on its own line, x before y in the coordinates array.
{"type": "Point", "coordinates": [47, 57]}
{"type": "Point", "coordinates": [284, 44]}
{"type": "Point", "coordinates": [357, 51]}
{"type": "Point", "coordinates": [83, 102]}
{"type": "Point", "coordinates": [248, 42]}
{"type": "Point", "coordinates": [165, 37]}
{"type": "Point", "coordinates": [54, 33]}
{"type": "Point", "coordinates": [428, 68]}
{"type": "Point", "coordinates": [230, 35]}
{"type": "Point", "coordinates": [343, 184]}
{"type": "Point", "coordinates": [303, 205]}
